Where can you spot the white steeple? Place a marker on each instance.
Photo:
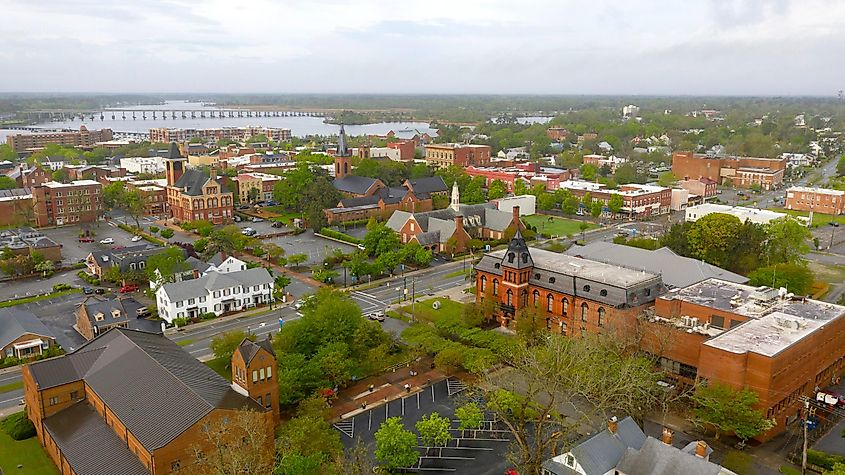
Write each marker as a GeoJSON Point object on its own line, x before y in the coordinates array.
{"type": "Point", "coordinates": [456, 197]}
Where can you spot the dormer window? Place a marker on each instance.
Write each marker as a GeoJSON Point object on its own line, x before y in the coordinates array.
{"type": "Point", "coordinates": [497, 265]}
{"type": "Point", "coordinates": [525, 258]}
{"type": "Point", "coordinates": [511, 257]}
{"type": "Point", "coordinates": [115, 314]}
{"type": "Point", "coordinates": [551, 280]}
{"type": "Point", "coordinates": [99, 317]}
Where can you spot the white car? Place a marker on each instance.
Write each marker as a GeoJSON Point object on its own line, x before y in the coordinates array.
{"type": "Point", "coordinates": [107, 241]}
{"type": "Point", "coordinates": [136, 238]}
{"type": "Point", "coordinates": [257, 220]}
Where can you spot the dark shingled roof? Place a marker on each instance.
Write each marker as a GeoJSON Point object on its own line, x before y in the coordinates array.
{"type": "Point", "coordinates": [432, 184]}
{"type": "Point", "coordinates": [89, 444]}
{"type": "Point", "coordinates": [354, 184]}
{"type": "Point", "coordinates": [15, 322]}
{"type": "Point", "coordinates": [155, 388]}
{"type": "Point", "coordinates": [248, 349]}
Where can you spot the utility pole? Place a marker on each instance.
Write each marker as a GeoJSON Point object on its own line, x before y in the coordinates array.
{"type": "Point", "coordinates": [807, 413]}
{"type": "Point", "coordinates": [413, 300]}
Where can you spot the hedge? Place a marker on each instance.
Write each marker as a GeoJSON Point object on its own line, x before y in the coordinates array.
{"type": "Point", "coordinates": [166, 233]}
{"type": "Point", "coordinates": [823, 460]}
{"type": "Point", "coordinates": [90, 279]}
{"type": "Point", "coordinates": [340, 236]}
{"type": "Point", "coordinates": [18, 426]}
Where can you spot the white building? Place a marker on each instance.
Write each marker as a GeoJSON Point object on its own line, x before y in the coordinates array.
{"type": "Point", "coordinates": [759, 216]}
{"type": "Point", "coordinates": [527, 204]}
{"type": "Point", "coordinates": [216, 291]}
{"type": "Point", "coordinates": [143, 164]}
{"type": "Point", "coordinates": [630, 111]}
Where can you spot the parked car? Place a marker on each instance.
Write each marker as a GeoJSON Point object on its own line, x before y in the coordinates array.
{"type": "Point", "coordinates": [86, 239]}
{"type": "Point", "coordinates": [238, 219]}
{"type": "Point", "coordinates": [377, 316]}
{"type": "Point", "coordinates": [129, 288]}
{"type": "Point", "coordinates": [248, 232]}
{"type": "Point", "coordinates": [143, 312]}
{"type": "Point", "coordinates": [107, 241]}
{"type": "Point", "coordinates": [99, 291]}
{"type": "Point", "coordinates": [361, 247]}
{"type": "Point", "coordinates": [257, 220]}
{"type": "Point", "coordinates": [136, 238]}
{"type": "Point", "coordinates": [87, 290]}
{"type": "Point", "coordinates": [277, 224]}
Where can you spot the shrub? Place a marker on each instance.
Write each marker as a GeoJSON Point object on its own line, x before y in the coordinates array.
{"type": "Point", "coordinates": [208, 316]}
{"type": "Point", "coordinates": [154, 229]}
{"type": "Point", "coordinates": [823, 460]}
{"type": "Point", "coordinates": [18, 426]}
{"type": "Point", "coordinates": [167, 233]}
{"type": "Point", "coordinates": [90, 279]}
{"type": "Point", "coordinates": [60, 287]}
{"type": "Point", "coordinates": [180, 322]}
{"type": "Point", "coordinates": [340, 236]}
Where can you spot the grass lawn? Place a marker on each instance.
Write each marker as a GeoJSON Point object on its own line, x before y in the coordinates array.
{"type": "Point", "coordinates": [819, 219]}
{"type": "Point", "coordinates": [184, 342]}
{"type": "Point", "coordinates": [424, 311]}
{"type": "Point", "coordinates": [458, 273]}
{"type": "Point", "coordinates": [11, 303]}
{"type": "Point", "coordinates": [28, 453]}
{"type": "Point", "coordinates": [220, 366]}
{"type": "Point", "coordinates": [552, 225]}
{"type": "Point", "coordinates": [11, 386]}
{"type": "Point", "coordinates": [398, 316]}
{"type": "Point", "coordinates": [281, 214]}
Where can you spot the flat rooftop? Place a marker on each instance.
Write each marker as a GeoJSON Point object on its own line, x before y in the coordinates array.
{"type": "Point", "coordinates": [776, 320]}
{"type": "Point", "coordinates": [821, 191]}
{"type": "Point", "coordinates": [585, 268]}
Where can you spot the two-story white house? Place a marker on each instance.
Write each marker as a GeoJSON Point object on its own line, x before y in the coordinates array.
{"type": "Point", "coordinates": [216, 292]}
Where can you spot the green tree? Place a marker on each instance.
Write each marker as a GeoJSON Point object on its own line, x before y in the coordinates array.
{"type": "Point", "coordinates": [224, 344]}
{"type": "Point", "coordinates": [252, 195]}
{"type": "Point", "coordinates": [7, 183]}
{"type": "Point", "coordinates": [113, 194]}
{"type": "Point", "coordinates": [274, 251]}
{"type": "Point", "coordinates": [134, 203]}
{"type": "Point", "coordinates": [596, 208]}
{"type": "Point", "coordinates": [308, 440]}
{"type": "Point", "coordinates": [473, 192]}
{"type": "Point", "coordinates": [280, 283]}
{"type": "Point", "coordinates": [226, 239]}
{"type": "Point", "coordinates": [787, 240]}
{"type": "Point", "coordinates": [46, 268]}
{"type": "Point", "coordinates": [380, 240]}
{"type": "Point", "coordinates": [588, 172]}
{"type": "Point", "coordinates": [570, 205]}
{"type": "Point", "coordinates": [497, 189]}
{"type": "Point", "coordinates": [470, 416]}
{"type": "Point", "coordinates": [713, 237]}
{"type": "Point", "coordinates": [520, 187]}
{"type": "Point", "coordinates": [795, 277]}
{"type": "Point", "coordinates": [625, 174]}
{"type": "Point", "coordinates": [7, 153]}
{"type": "Point", "coordinates": [840, 166]}
{"type": "Point", "coordinates": [169, 262]}
{"type": "Point", "coordinates": [296, 259]}
{"type": "Point", "coordinates": [61, 175]}
{"type": "Point", "coordinates": [547, 201]}
{"type": "Point", "coordinates": [838, 469]}
{"type": "Point", "coordinates": [729, 410]}
{"type": "Point", "coordinates": [615, 203]}
{"type": "Point", "coordinates": [434, 430]}
{"type": "Point", "coordinates": [396, 447]}
{"type": "Point", "coordinates": [667, 179]}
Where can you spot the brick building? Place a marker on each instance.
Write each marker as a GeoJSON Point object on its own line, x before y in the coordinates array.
{"type": "Point", "coordinates": [30, 177]}
{"type": "Point", "coordinates": [94, 172]}
{"type": "Point", "coordinates": [95, 315]}
{"type": "Point", "coordinates": [742, 172]}
{"type": "Point", "coordinates": [778, 345]}
{"type": "Point", "coordinates": [154, 194]}
{"type": "Point", "coordinates": [407, 149]}
{"type": "Point", "coordinates": [703, 187]}
{"type": "Point", "coordinates": [253, 365]}
{"type": "Point", "coordinates": [16, 207]}
{"type": "Point", "coordinates": [443, 155]}
{"type": "Point", "coordinates": [167, 135]}
{"type": "Point", "coordinates": [557, 133]}
{"type": "Point", "coordinates": [59, 204]}
{"type": "Point", "coordinates": [817, 200]}
{"type": "Point", "coordinates": [27, 241]}
{"type": "Point", "coordinates": [574, 295]}
{"type": "Point", "coordinates": [193, 194]}
{"type": "Point", "coordinates": [638, 200]}
{"type": "Point", "coordinates": [415, 195]}
{"type": "Point", "coordinates": [532, 173]}
{"type": "Point", "coordinates": [133, 403]}
{"type": "Point", "coordinates": [84, 139]}
{"type": "Point", "coordinates": [263, 182]}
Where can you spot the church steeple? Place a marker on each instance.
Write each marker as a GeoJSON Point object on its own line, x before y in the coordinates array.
{"type": "Point", "coordinates": [342, 147]}
{"type": "Point", "coordinates": [342, 157]}
{"type": "Point", "coordinates": [456, 197]}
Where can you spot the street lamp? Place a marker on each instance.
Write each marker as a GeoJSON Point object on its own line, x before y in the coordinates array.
{"type": "Point", "coordinates": [833, 226]}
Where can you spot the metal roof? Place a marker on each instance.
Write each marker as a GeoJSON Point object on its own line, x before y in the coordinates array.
{"type": "Point", "coordinates": [15, 322]}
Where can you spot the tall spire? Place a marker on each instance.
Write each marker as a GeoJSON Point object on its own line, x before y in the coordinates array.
{"type": "Point", "coordinates": [456, 197]}
{"type": "Point", "coordinates": [342, 148]}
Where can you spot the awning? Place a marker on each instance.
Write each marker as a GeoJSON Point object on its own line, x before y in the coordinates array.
{"type": "Point", "coordinates": [29, 344]}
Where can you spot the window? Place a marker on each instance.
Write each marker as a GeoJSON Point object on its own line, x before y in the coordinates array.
{"type": "Point", "coordinates": [269, 372]}
{"type": "Point", "coordinates": [191, 301]}
{"type": "Point", "coordinates": [524, 301]}
{"type": "Point", "coordinates": [551, 280]}
{"type": "Point", "coordinates": [562, 328]}
{"type": "Point", "coordinates": [261, 374]}
{"type": "Point", "coordinates": [586, 288]}
{"type": "Point", "coordinates": [268, 401]}
{"type": "Point", "coordinates": [54, 400]}
{"type": "Point", "coordinates": [510, 298]}
{"type": "Point", "coordinates": [202, 299]}
{"type": "Point", "coordinates": [564, 304]}
{"type": "Point", "coordinates": [584, 310]}
{"type": "Point", "coordinates": [260, 401]}
{"type": "Point", "coordinates": [496, 287]}
{"type": "Point", "coordinates": [483, 283]}
{"type": "Point", "coordinates": [717, 321]}
{"type": "Point", "coordinates": [255, 376]}
{"type": "Point", "coordinates": [74, 394]}
{"type": "Point", "coordinates": [536, 296]}
{"type": "Point", "coordinates": [511, 257]}
{"type": "Point", "coordinates": [735, 323]}
{"type": "Point", "coordinates": [603, 292]}
{"type": "Point", "coordinates": [601, 316]}
{"type": "Point", "coordinates": [550, 303]}
{"type": "Point", "coordinates": [570, 460]}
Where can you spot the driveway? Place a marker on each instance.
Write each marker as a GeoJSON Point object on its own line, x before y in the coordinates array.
{"type": "Point", "coordinates": [315, 247]}
{"type": "Point", "coordinates": [35, 286]}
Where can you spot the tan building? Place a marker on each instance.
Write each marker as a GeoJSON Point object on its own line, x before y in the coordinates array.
{"type": "Point", "coordinates": [60, 204]}
{"type": "Point", "coordinates": [154, 194]}
{"type": "Point", "coordinates": [193, 194]}
{"type": "Point", "coordinates": [817, 200]}
{"type": "Point", "coordinates": [167, 135]}
{"type": "Point", "coordinates": [84, 139]}
{"type": "Point", "coordinates": [262, 182]}
{"type": "Point", "coordinates": [462, 155]}
{"type": "Point", "coordinates": [136, 403]}
{"type": "Point", "coordinates": [22, 334]}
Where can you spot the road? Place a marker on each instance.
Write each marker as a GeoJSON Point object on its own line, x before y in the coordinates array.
{"type": "Point", "coordinates": [196, 341]}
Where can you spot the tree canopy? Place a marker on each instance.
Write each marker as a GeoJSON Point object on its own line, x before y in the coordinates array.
{"type": "Point", "coordinates": [729, 410]}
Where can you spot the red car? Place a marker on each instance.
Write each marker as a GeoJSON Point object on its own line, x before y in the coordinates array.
{"type": "Point", "coordinates": [86, 239]}
{"type": "Point", "coordinates": [118, 247]}
{"type": "Point", "coordinates": [128, 288]}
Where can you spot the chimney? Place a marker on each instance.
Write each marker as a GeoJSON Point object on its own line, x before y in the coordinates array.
{"type": "Point", "coordinates": [612, 425]}
{"type": "Point", "coordinates": [701, 449]}
{"type": "Point", "coordinates": [516, 212]}
{"type": "Point", "coordinates": [459, 222]}
{"type": "Point", "coordinates": [667, 436]}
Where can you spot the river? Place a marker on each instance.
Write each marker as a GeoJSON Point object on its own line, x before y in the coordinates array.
{"type": "Point", "coordinates": [299, 126]}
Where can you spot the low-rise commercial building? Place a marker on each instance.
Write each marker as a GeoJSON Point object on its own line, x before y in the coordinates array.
{"type": "Point", "coordinates": [59, 204]}
{"type": "Point", "coordinates": [151, 165]}
{"type": "Point", "coordinates": [154, 196]}
{"type": "Point", "coordinates": [742, 172]}
{"type": "Point", "coordinates": [263, 183]}
{"type": "Point", "coordinates": [16, 207]}
{"type": "Point", "coordinates": [526, 204]}
{"type": "Point", "coordinates": [759, 216]}
{"type": "Point", "coordinates": [23, 335]}
{"type": "Point", "coordinates": [703, 187]}
{"type": "Point", "coordinates": [442, 155]}
{"type": "Point", "coordinates": [167, 135]}
{"type": "Point", "coordinates": [530, 173]}
{"type": "Point", "coordinates": [638, 200]}
{"type": "Point", "coordinates": [127, 259]}
{"type": "Point", "coordinates": [817, 200]}
{"type": "Point", "coordinates": [27, 241]}
{"type": "Point", "coordinates": [84, 138]}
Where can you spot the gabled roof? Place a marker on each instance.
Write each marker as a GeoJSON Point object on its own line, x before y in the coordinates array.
{"type": "Point", "coordinates": [600, 453]}
{"type": "Point", "coordinates": [248, 349]}
{"type": "Point", "coordinates": [15, 322]}
{"type": "Point", "coordinates": [153, 386]}
{"type": "Point", "coordinates": [192, 181]}
{"type": "Point", "coordinates": [658, 458]}
{"type": "Point", "coordinates": [195, 288]}
{"type": "Point", "coordinates": [354, 184]}
{"type": "Point", "coordinates": [432, 184]}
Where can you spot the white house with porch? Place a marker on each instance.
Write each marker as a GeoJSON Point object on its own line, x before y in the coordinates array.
{"type": "Point", "coordinates": [217, 292]}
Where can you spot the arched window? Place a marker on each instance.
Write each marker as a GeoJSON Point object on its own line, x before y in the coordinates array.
{"type": "Point", "coordinates": [345, 168]}
{"type": "Point", "coordinates": [584, 310]}
{"type": "Point", "coordinates": [510, 298]}
{"type": "Point", "coordinates": [483, 283]}
{"type": "Point", "coordinates": [564, 306]}
{"type": "Point", "coordinates": [495, 286]}
{"type": "Point", "coordinates": [601, 316]}
{"type": "Point", "coordinates": [562, 328]}
{"type": "Point", "coordinates": [524, 298]}
{"type": "Point", "coordinates": [536, 295]}
{"type": "Point", "coordinates": [550, 303]}
{"type": "Point", "coordinates": [511, 257]}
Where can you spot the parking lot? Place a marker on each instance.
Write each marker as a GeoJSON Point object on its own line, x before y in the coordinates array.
{"type": "Point", "coordinates": [73, 251]}
{"type": "Point", "coordinates": [316, 248]}
{"type": "Point", "coordinates": [484, 454]}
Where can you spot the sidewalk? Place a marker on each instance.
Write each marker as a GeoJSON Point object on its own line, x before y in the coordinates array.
{"type": "Point", "coordinates": [227, 318]}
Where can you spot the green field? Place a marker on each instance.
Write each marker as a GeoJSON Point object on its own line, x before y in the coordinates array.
{"type": "Point", "coordinates": [425, 312]}
{"type": "Point", "coordinates": [552, 225]}
{"type": "Point", "coordinates": [221, 367]}
{"type": "Point", "coordinates": [27, 453]}
{"type": "Point", "coordinates": [819, 219]}
{"type": "Point", "coordinates": [11, 386]}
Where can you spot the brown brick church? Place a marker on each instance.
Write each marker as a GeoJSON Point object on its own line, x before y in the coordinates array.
{"type": "Point", "coordinates": [135, 403]}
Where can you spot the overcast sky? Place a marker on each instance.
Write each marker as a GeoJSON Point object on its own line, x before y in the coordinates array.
{"type": "Point", "coordinates": [778, 47]}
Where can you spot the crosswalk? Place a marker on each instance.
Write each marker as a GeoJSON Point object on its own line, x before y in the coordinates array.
{"type": "Point", "coordinates": [347, 427]}
{"type": "Point", "coordinates": [368, 302]}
